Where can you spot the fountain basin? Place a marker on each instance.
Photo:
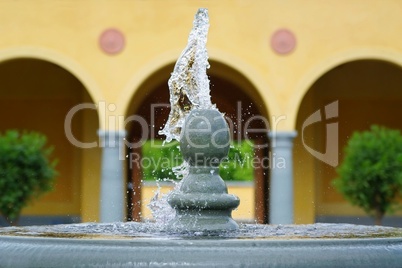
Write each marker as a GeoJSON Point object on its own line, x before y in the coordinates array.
{"type": "Point", "coordinates": [133, 244]}
{"type": "Point", "coordinates": [62, 252]}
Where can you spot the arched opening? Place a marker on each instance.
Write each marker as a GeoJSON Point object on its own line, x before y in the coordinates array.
{"type": "Point", "coordinates": [36, 95]}
{"type": "Point", "coordinates": [235, 96]}
{"type": "Point", "coordinates": [367, 92]}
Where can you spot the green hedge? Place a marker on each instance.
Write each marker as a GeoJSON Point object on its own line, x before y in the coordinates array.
{"type": "Point", "coordinates": [157, 161]}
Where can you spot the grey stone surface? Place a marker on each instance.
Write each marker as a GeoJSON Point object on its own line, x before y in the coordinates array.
{"type": "Point", "coordinates": [134, 244]}
{"type": "Point", "coordinates": [202, 202]}
{"type": "Point", "coordinates": [146, 252]}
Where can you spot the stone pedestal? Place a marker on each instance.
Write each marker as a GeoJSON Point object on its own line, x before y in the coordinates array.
{"type": "Point", "coordinates": [202, 203]}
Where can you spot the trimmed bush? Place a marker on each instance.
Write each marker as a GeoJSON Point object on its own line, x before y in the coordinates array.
{"type": "Point", "coordinates": [370, 175]}
{"type": "Point", "coordinates": [25, 171]}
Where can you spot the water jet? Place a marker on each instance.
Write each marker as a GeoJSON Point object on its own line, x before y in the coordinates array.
{"type": "Point", "coordinates": [202, 232]}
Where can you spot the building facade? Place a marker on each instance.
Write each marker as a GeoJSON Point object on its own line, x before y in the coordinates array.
{"type": "Point", "coordinates": [80, 72]}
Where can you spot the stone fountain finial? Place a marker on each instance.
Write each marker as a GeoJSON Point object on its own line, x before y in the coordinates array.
{"type": "Point", "coordinates": [202, 203]}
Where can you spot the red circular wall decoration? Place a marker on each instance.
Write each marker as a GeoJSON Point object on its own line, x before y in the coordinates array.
{"type": "Point", "coordinates": [283, 41]}
{"type": "Point", "coordinates": [111, 41]}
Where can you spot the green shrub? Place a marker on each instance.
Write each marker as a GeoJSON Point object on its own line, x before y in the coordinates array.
{"type": "Point", "coordinates": [157, 161]}
{"type": "Point", "coordinates": [238, 166]}
{"type": "Point", "coordinates": [25, 171]}
{"type": "Point", "coordinates": [370, 175]}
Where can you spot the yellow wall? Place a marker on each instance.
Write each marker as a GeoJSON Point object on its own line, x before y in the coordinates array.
{"type": "Point", "coordinates": [66, 33]}
{"type": "Point", "coordinates": [36, 95]}
{"type": "Point", "coordinates": [156, 32]}
{"type": "Point", "coordinates": [368, 93]}
{"type": "Point", "coordinates": [245, 212]}
{"type": "Point", "coordinates": [90, 166]}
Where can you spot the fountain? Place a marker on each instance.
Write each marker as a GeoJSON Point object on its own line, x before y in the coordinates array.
{"type": "Point", "coordinates": [202, 232]}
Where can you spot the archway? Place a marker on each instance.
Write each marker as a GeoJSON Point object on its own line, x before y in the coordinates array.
{"type": "Point", "coordinates": [365, 92]}
{"type": "Point", "coordinates": [36, 95]}
{"type": "Point", "coordinates": [239, 101]}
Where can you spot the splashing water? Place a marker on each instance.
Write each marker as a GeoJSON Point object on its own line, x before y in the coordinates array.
{"type": "Point", "coordinates": [162, 212]}
{"type": "Point", "coordinates": [189, 83]}
{"type": "Point", "coordinates": [246, 231]}
{"type": "Point", "coordinates": [160, 208]}
{"type": "Point", "coordinates": [189, 89]}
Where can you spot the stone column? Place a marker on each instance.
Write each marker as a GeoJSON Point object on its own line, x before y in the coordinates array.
{"type": "Point", "coordinates": [112, 197]}
{"type": "Point", "coordinates": [281, 186]}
